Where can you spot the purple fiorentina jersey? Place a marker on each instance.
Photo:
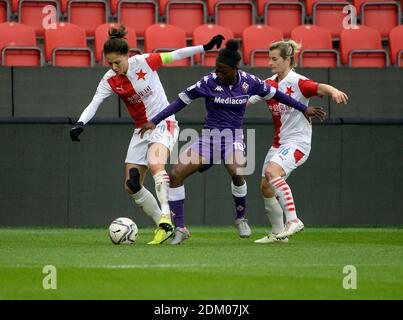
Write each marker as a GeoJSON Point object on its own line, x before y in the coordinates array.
{"type": "Point", "coordinates": [226, 104]}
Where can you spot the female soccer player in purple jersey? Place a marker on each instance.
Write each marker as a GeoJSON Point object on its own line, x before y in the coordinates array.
{"type": "Point", "coordinates": [226, 92]}
{"type": "Point", "coordinates": [135, 80]}
{"type": "Point", "coordinates": [292, 139]}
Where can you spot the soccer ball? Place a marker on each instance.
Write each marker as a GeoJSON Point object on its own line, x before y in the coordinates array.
{"type": "Point", "coordinates": [123, 231]}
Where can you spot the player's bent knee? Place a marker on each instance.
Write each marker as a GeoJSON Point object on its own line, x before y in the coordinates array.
{"type": "Point", "coordinates": [270, 174]}
{"type": "Point", "coordinates": [175, 177]}
{"type": "Point", "coordinates": [155, 168]}
{"type": "Point", "coordinates": [133, 183]}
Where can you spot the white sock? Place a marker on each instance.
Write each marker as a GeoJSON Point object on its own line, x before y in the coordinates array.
{"type": "Point", "coordinates": [175, 194]}
{"type": "Point", "coordinates": [239, 191]}
{"type": "Point", "coordinates": [285, 198]}
{"type": "Point", "coordinates": [161, 180]}
{"type": "Point", "coordinates": [148, 203]}
{"type": "Point", "coordinates": [275, 214]}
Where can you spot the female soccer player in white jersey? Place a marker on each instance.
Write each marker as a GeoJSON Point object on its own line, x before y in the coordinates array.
{"type": "Point", "coordinates": [135, 80]}
{"type": "Point", "coordinates": [292, 139]}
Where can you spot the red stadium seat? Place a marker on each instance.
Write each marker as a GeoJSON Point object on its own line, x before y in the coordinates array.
{"type": "Point", "coordinates": [66, 45]}
{"type": "Point", "coordinates": [18, 45]}
{"type": "Point", "coordinates": [329, 14]}
{"type": "Point", "coordinates": [396, 46]}
{"type": "Point", "coordinates": [63, 6]}
{"type": "Point", "coordinates": [101, 36]}
{"type": "Point", "coordinates": [186, 14]}
{"type": "Point", "coordinates": [261, 4]}
{"type": "Point", "coordinates": [14, 6]}
{"type": "Point", "coordinates": [202, 35]}
{"type": "Point", "coordinates": [5, 11]}
{"type": "Point", "coordinates": [30, 12]}
{"type": "Point", "coordinates": [256, 40]}
{"type": "Point", "coordinates": [137, 14]}
{"type": "Point", "coordinates": [164, 38]}
{"type": "Point", "coordinates": [88, 14]}
{"type": "Point", "coordinates": [362, 47]}
{"type": "Point", "coordinates": [316, 46]}
{"type": "Point", "coordinates": [234, 14]}
{"type": "Point", "coordinates": [113, 6]}
{"type": "Point", "coordinates": [381, 15]}
{"type": "Point", "coordinates": [283, 15]}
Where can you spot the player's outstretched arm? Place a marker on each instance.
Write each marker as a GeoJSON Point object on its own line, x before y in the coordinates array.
{"type": "Point", "coordinates": [75, 130]}
{"type": "Point", "coordinates": [103, 91]}
{"type": "Point", "coordinates": [337, 95]}
{"type": "Point", "coordinates": [86, 116]}
{"type": "Point", "coordinates": [316, 112]}
{"type": "Point", "coordinates": [183, 53]}
{"type": "Point", "coordinates": [146, 126]}
{"type": "Point", "coordinates": [215, 41]}
{"type": "Point", "coordinates": [171, 109]}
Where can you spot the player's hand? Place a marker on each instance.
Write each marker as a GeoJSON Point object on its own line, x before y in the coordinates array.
{"type": "Point", "coordinates": [146, 126]}
{"type": "Point", "coordinates": [339, 97]}
{"type": "Point", "coordinates": [316, 112]}
{"type": "Point", "coordinates": [215, 41]}
{"type": "Point", "coordinates": [76, 130]}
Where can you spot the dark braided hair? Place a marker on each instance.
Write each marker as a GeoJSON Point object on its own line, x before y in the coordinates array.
{"type": "Point", "coordinates": [117, 42]}
{"type": "Point", "coordinates": [229, 55]}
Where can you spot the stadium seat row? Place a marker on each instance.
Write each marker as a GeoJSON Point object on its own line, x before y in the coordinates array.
{"type": "Point", "coordinates": [66, 45]}
{"type": "Point", "coordinates": [236, 15]}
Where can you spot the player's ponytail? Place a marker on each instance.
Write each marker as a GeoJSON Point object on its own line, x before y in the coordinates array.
{"type": "Point", "coordinates": [287, 49]}
{"type": "Point", "coordinates": [230, 55]}
{"type": "Point", "coordinates": [117, 42]}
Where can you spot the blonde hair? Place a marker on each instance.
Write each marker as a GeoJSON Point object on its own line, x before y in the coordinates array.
{"type": "Point", "coordinates": [287, 48]}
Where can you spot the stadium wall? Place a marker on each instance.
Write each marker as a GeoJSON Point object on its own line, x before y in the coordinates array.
{"type": "Point", "coordinates": [354, 175]}
{"type": "Point", "coordinates": [65, 92]}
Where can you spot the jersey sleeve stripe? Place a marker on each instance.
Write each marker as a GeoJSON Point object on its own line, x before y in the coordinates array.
{"type": "Point", "coordinates": [184, 97]}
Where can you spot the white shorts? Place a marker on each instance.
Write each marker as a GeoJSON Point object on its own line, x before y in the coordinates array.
{"type": "Point", "coordinates": [288, 156]}
{"type": "Point", "coordinates": [166, 133]}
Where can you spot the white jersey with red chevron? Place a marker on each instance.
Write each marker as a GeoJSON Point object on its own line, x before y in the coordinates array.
{"type": "Point", "coordinates": [290, 125]}
{"type": "Point", "coordinates": [140, 89]}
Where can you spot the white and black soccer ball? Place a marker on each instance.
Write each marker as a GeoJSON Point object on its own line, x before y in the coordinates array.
{"type": "Point", "coordinates": [123, 231]}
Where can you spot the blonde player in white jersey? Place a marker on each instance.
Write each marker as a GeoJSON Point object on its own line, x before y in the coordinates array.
{"type": "Point", "coordinates": [135, 80]}
{"type": "Point", "coordinates": [292, 139]}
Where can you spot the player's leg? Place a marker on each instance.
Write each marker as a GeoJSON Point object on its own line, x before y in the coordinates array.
{"type": "Point", "coordinates": [190, 161]}
{"type": "Point", "coordinates": [274, 213]}
{"type": "Point", "coordinates": [158, 155]}
{"type": "Point", "coordinates": [272, 207]}
{"type": "Point", "coordinates": [280, 166]}
{"type": "Point", "coordinates": [135, 171]}
{"type": "Point", "coordinates": [234, 164]}
{"type": "Point", "coordinates": [162, 140]}
{"type": "Point", "coordinates": [134, 186]}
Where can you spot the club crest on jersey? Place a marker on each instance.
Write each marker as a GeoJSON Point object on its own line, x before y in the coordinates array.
{"type": "Point", "coordinates": [289, 91]}
{"type": "Point", "coordinates": [245, 87]}
{"type": "Point", "coordinates": [141, 75]}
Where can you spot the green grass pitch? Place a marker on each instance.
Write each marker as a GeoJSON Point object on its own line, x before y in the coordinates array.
{"type": "Point", "coordinates": [214, 264]}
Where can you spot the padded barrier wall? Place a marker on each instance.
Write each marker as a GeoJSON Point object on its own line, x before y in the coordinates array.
{"type": "Point", "coordinates": [65, 92]}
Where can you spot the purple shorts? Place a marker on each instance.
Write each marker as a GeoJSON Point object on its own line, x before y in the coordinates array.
{"type": "Point", "coordinates": [216, 146]}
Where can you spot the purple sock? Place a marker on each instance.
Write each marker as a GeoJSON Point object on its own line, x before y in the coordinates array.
{"type": "Point", "coordinates": [240, 204]}
{"type": "Point", "coordinates": [177, 212]}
